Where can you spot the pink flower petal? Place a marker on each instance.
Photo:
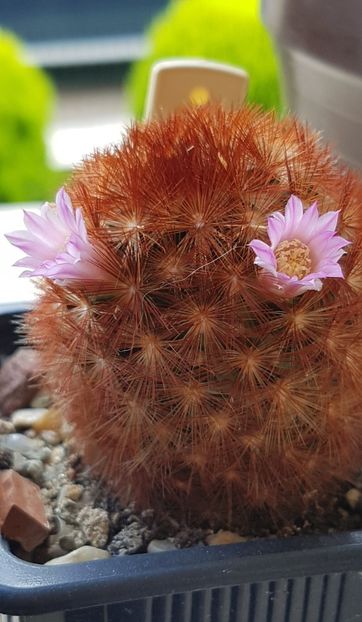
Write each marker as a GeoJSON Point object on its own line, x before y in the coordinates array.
{"type": "Point", "coordinates": [264, 254]}
{"type": "Point", "coordinates": [65, 210]}
{"type": "Point", "coordinates": [332, 270]}
{"type": "Point", "coordinates": [80, 271]}
{"type": "Point", "coordinates": [26, 262]}
{"type": "Point", "coordinates": [319, 243]}
{"type": "Point", "coordinates": [19, 237]}
{"type": "Point", "coordinates": [44, 209]}
{"type": "Point", "coordinates": [27, 242]}
{"type": "Point", "coordinates": [288, 287]}
{"type": "Point", "coordinates": [317, 232]}
{"type": "Point", "coordinates": [80, 225]}
{"type": "Point", "coordinates": [37, 225]}
{"type": "Point", "coordinates": [56, 243]}
{"type": "Point", "coordinates": [335, 243]}
{"type": "Point", "coordinates": [275, 230]}
{"type": "Point", "coordinates": [327, 222]}
{"type": "Point", "coordinates": [308, 223]}
{"type": "Point", "coordinates": [293, 216]}
{"type": "Point", "coordinates": [307, 284]}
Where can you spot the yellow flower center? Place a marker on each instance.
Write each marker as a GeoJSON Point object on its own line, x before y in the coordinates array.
{"type": "Point", "coordinates": [293, 258]}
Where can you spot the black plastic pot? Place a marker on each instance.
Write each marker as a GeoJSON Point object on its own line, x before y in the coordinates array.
{"type": "Point", "coordinates": [314, 579]}
{"type": "Point", "coordinates": [300, 579]}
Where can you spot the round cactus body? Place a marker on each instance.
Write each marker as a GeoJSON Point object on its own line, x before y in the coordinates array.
{"type": "Point", "coordinates": [190, 381]}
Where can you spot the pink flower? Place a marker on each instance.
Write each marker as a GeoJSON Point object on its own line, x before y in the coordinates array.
{"type": "Point", "coordinates": [56, 243]}
{"type": "Point", "coordinates": [304, 249]}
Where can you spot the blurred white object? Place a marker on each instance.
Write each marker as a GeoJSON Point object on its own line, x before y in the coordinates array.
{"type": "Point", "coordinates": [174, 83]}
{"type": "Point", "coordinates": [68, 146]}
{"type": "Point", "coordinates": [86, 118]}
{"type": "Point", "coordinates": [14, 291]}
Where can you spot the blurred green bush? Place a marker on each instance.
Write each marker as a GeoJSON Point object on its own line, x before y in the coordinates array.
{"type": "Point", "coordinates": [26, 97]}
{"type": "Point", "coordinates": [228, 31]}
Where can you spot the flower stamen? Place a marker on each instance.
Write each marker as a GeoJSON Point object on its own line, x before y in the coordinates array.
{"type": "Point", "coordinates": [293, 258]}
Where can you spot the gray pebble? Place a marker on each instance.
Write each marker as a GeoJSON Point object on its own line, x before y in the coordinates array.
{"type": "Point", "coordinates": [6, 427]}
{"type": "Point", "coordinates": [51, 474]}
{"type": "Point", "coordinates": [66, 536]}
{"type": "Point", "coordinates": [94, 524]}
{"type": "Point", "coordinates": [41, 400]}
{"type": "Point", "coordinates": [148, 516]}
{"type": "Point", "coordinates": [33, 469]}
{"type": "Point", "coordinates": [132, 518]}
{"type": "Point", "coordinates": [54, 550]}
{"type": "Point", "coordinates": [72, 541]}
{"type": "Point", "coordinates": [45, 454]}
{"type": "Point", "coordinates": [51, 437]}
{"type": "Point", "coordinates": [18, 461]}
{"type": "Point", "coordinates": [57, 454]}
{"type": "Point", "coordinates": [129, 540]}
{"type": "Point", "coordinates": [67, 510]}
{"type": "Point", "coordinates": [6, 459]}
{"type": "Point", "coordinates": [69, 502]}
{"type": "Point", "coordinates": [115, 518]}
{"type": "Point", "coordinates": [28, 447]}
{"type": "Point", "coordinates": [126, 512]}
{"type": "Point", "coordinates": [30, 433]}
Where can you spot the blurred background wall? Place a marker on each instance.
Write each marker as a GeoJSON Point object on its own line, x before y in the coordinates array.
{"type": "Point", "coordinates": [73, 73]}
{"type": "Point", "coordinates": [82, 49]}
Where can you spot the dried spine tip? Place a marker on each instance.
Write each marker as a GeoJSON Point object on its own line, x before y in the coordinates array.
{"type": "Point", "coordinates": [189, 382]}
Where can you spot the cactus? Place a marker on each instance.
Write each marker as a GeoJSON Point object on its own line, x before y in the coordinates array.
{"type": "Point", "coordinates": [189, 381]}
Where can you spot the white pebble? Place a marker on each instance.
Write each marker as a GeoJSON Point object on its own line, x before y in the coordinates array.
{"type": "Point", "coordinates": [26, 417]}
{"type": "Point", "coordinates": [51, 437]}
{"type": "Point", "coordinates": [160, 546]}
{"type": "Point", "coordinates": [84, 554]}
{"type": "Point", "coordinates": [57, 454]}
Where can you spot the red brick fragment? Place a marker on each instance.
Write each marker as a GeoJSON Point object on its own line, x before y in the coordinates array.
{"type": "Point", "coordinates": [22, 512]}
{"type": "Point", "coordinates": [18, 384]}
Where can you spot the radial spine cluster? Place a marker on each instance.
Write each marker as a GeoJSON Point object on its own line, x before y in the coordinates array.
{"type": "Point", "coordinates": [189, 383]}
